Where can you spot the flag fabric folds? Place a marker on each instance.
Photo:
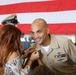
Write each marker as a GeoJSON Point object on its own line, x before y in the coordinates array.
{"type": "Point", "coordinates": [60, 15]}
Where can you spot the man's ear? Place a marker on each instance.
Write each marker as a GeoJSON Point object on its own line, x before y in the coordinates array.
{"type": "Point", "coordinates": [48, 31]}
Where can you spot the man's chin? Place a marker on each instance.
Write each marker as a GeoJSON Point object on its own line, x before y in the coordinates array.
{"type": "Point", "coordinates": [38, 42]}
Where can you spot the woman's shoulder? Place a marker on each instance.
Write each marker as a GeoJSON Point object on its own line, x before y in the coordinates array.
{"type": "Point", "coordinates": [13, 56]}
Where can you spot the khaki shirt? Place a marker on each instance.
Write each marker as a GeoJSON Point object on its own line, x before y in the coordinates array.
{"type": "Point", "coordinates": [61, 56]}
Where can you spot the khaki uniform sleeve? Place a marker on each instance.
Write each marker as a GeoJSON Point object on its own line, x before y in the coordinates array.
{"type": "Point", "coordinates": [72, 51]}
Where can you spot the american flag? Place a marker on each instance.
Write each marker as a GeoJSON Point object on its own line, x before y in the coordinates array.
{"type": "Point", "coordinates": [60, 15]}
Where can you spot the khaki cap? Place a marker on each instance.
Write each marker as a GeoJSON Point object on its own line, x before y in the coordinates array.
{"type": "Point", "coordinates": [12, 19]}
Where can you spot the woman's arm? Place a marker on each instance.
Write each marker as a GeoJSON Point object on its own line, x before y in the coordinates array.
{"type": "Point", "coordinates": [40, 62]}
{"type": "Point", "coordinates": [34, 56]}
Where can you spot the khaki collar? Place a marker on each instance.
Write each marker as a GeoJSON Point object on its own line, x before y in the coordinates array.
{"type": "Point", "coordinates": [54, 42]}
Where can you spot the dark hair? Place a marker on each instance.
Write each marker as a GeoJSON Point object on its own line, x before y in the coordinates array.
{"type": "Point", "coordinates": [41, 70]}
{"type": "Point", "coordinates": [9, 42]}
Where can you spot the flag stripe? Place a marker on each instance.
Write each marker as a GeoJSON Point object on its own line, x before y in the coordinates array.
{"type": "Point", "coordinates": [50, 17]}
{"type": "Point", "coordinates": [60, 15]}
{"type": "Point", "coordinates": [6, 2]}
{"type": "Point", "coordinates": [58, 5]}
{"type": "Point", "coordinates": [69, 28]}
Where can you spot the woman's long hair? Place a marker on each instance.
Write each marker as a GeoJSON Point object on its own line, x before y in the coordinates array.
{"type": "Point", "coordinates": [9, 42]}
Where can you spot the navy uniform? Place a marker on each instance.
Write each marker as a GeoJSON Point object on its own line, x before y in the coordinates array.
{"type": "Point", "coordinates": [12, 19]}
{"type": "Point", "coordinates": [61, 55]}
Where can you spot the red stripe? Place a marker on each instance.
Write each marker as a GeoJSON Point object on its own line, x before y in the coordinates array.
{"type": "Point", "coordinates": [58, 5]}
{"type": "Point", "coordinates": [54, 28]}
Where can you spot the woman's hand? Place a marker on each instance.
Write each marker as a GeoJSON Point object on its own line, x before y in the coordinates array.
{"type": "Point", "coordinates": [28, 52]}
{"type": "Point", "coordinates": [34, 56]}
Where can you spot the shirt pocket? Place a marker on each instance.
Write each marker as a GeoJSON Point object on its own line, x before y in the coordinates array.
{"type": "Point", "coordinates": [60, 59]}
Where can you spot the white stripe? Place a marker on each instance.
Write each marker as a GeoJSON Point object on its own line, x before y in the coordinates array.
{"type": "Point", "coordinates": [50, 17]}
{"type": "Point", "coordinates": [5, 2]}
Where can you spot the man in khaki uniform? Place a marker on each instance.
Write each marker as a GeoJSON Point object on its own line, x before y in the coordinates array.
{"type": "Point", "coordinates": [58, 53]}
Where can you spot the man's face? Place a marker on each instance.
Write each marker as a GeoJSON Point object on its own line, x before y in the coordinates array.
{"type": "Point", "coordinates": [39, 33]}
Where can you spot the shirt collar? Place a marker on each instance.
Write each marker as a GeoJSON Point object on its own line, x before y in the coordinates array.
{"type": "Point", "coordinates": [54, 42]}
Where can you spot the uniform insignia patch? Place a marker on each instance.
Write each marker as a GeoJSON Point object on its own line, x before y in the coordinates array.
{"type": "Point", "coordinates": [60, 56]}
